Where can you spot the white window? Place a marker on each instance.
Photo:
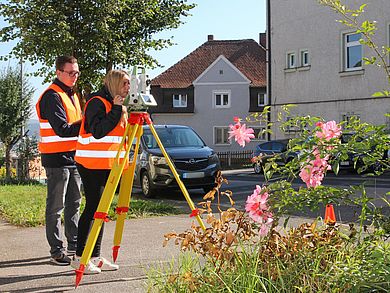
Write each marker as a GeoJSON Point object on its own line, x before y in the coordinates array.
{"type": "Point", "coordinates": [352, 52]}
{"type": "Point", "coordinates": [221, 99]}
{"type": "Point", "coordinates": [179, 101]}
{"type": "Point", "coordinates": [262, 99]}
{"type": "Point", "coordinates": [305, 58]}
{"type": "Point", "coordinates": [259, 133]}
{"type": "Point", "coordinates": [221, 135]}
{"type": "Point", "coordinates": [291, 62]}
{"type": "Point", "coordinates": [347, 116]}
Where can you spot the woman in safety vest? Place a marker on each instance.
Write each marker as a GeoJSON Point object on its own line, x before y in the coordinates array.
{"type": "Point", "coordinates": [101, 132]}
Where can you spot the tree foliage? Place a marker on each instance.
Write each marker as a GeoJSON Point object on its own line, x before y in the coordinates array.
{"type": "Point", "coordinates": [27, 150]}
{"type": "Point", "coordinates": [15, 100]}
{"type": "Point", "coordinates": [101, 34]}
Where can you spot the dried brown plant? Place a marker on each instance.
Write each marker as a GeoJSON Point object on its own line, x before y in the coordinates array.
{"type": "Point", "coordinates": [226, 229]}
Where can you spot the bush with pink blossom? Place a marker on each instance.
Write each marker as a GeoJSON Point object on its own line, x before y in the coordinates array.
{"type": "Point", "coordinates": [248, 248]}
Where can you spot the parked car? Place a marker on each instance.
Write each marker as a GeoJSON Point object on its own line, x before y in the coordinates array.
{"type": "Point", "coordinates": [356, 159]}
{"type": "Point", "coordinates": [195, 162]}
{"type": "Point", "coordinates": [347, 163]}
{"type": "Point", "coordinates": [270, 149]}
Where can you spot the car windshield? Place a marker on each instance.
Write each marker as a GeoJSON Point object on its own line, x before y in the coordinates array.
{"type": "Point", "coordinates": [172, 137]}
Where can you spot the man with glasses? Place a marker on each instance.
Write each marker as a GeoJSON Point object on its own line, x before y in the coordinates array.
{"type": "Point", "coordinates": [59, 113]}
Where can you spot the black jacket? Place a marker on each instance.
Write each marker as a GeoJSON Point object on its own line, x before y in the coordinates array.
{"type": "Point", "coordinates": [97, 121]}
{"type": "Point", "coordinates": [52, 109]}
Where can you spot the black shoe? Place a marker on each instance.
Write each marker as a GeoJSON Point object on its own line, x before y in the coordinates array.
{"type": "Point", "coordinates": [70, 252]}
{"type": "Point", "coordinates": [60, 260]}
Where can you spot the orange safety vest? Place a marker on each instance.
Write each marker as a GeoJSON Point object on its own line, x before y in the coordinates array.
{"type": "Point", "coordinates": [49, 141]}
{"type": "Point", "coordinates": [100, 153]}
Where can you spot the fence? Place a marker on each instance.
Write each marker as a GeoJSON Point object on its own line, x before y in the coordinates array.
{"type": "Point", "coordinates": [236, 159]}
{"type": "Point", "coordinates": [22, 170]}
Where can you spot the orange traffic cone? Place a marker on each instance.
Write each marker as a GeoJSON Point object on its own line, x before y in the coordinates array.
{"type": "Point", "coordinates": [330, 217]}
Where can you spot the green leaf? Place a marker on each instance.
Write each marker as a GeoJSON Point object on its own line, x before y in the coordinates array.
{"type": "Point", "coordinates": [361, 8]}
{"type": "Point", "coordinates": [336, 167]}
{"type": "Point", "coordinates": [379, 94]}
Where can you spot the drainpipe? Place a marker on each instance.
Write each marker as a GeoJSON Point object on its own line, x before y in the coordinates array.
{"type": "Point", "coordinates": [268, 56]}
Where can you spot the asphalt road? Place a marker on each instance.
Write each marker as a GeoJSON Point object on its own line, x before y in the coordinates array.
{"type": "Point", "coordinates": [242, 184]}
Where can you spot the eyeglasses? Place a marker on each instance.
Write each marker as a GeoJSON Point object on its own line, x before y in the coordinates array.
{"type": "Point", "coordinates": [71, 73]}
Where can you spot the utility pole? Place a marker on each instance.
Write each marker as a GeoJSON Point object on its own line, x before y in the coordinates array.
{"type": "Point", "coordinates": [22, 130]}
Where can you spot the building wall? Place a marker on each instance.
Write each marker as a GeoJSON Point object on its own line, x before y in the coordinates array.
{"type": "Point", "coordinates": [206, 115]}
{"type": "Point", "coordinates": [323, 89]}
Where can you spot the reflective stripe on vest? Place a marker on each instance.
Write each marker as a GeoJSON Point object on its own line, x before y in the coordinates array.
{"type": "Point", "coordinates": [50, 142]}
{"type": "Point", "coordinates": [106, 139]}
{"type": "Point", "coordinates": [55, 138]}
{"type": "Point", "coordinates": [100, 153]}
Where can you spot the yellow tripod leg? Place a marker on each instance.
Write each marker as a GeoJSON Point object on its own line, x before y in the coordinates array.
{"type": "Point", "coordinates": [124, 197]}
{"type": "Point", "coordinates": [104, 204]}
{"type": "Point", "coordinates": [177, 177]}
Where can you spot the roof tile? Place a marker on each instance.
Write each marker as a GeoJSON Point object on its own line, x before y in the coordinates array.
{"type": "Point", "coordinates": [247, 55]}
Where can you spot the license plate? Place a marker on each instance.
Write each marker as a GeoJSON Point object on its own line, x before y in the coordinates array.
{"type": "Point", "coordinates": [193, 175]}
{"type": "Point", "coordinates": [344, 163]}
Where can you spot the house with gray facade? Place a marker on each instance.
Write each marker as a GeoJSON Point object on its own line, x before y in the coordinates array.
{"type": "Point", "coordinates": [317, 63]}
{"type": "Point", "coordinates": [219, 80]}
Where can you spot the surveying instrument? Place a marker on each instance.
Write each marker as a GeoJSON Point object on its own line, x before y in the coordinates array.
{"type": "Point", "coordinates": [139, 98]}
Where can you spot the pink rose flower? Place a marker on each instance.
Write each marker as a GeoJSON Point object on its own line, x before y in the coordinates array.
{"type": "Point", "coordinates": [259, 210]}
{"type": "Point", "coordinates": [329, 130]}
{"type": "Point", "coordinates": [313, 173]}
{"type": "Point", "coordinates": [240, 133]}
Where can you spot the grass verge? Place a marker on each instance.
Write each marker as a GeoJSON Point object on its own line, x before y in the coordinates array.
{"type": "Point", "coordinates": [346, 267]}
{"type": "Point", "coordinates": [24, 205]}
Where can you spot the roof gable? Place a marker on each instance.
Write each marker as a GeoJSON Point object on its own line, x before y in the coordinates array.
{"type": "Point", "coordinates": [211, 75]}
{"type": "Point", "coordinates": [246, 55]}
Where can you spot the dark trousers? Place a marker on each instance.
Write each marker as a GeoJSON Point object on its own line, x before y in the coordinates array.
{"type": "Point", "coordinates": [93, 183]}
{"type": "Point", "coordinates": [63, 196]}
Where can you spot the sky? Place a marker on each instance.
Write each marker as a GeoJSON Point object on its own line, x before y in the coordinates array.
{"type": "Point", "coordinates": [225, 19]}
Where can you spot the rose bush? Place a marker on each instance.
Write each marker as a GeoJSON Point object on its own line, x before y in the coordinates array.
{"type": "Point", "coordinates": [250, 246]}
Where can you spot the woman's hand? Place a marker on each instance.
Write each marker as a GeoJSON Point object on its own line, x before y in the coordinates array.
{"type": "Point", "coordinates": [118, 100]}
{"type": "Point", "coordinates": [124, 117]}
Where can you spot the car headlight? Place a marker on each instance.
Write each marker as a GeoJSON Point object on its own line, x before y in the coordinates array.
{"type": "Point", "coordinates": [213, 158]}
{"type": "Point", "coordinates": [156, 160]}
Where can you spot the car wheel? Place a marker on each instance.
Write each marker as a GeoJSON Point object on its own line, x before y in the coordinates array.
{"type": "Point", "coordinates": [207, 188]}
{"type": "Point", "coordinates": [147, 187]}
{"type": "Point", "coordinates": [257, 168]}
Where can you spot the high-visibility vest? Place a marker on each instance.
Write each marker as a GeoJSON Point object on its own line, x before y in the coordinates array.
{"type": "Point", "coordinates": [100, 153]}
{"type": "Point", "coordinates": [49, 141]}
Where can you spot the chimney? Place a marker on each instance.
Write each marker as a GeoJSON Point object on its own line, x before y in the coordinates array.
{"type": "Point", "coordinates": [210, 38]}
{"type": "Point", "coordinates": [262, 39]}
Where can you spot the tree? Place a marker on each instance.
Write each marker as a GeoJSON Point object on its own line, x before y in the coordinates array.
{"type": "Point", "coordinates": [15, 100]}
{"type": "Point", "coordinates": [101, 34]}
{"type": "Point", "coordinates": [27, 150]}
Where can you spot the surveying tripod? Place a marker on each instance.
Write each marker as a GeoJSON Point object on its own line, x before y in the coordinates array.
{"type": "Point", "coordinates": [133, 130]}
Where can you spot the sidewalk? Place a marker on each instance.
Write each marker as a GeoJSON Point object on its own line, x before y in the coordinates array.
{"type": "Point", "coordinates": [25, 266]}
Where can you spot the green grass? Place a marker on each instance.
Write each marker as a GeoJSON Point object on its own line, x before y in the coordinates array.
{"type": "Point", "coordinates": [24, 205]}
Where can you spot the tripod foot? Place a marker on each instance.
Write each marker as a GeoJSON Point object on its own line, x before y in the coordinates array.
{"type": "Point", "coordinates": [115, 250]}
{"type": "Point", "coordinates": [79, 274]}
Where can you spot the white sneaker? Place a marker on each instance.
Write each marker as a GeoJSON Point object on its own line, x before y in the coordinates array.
{"type": "Point", "coordinates": [104, 264]}
{"type": "Point", "coordinates": [90, 268]}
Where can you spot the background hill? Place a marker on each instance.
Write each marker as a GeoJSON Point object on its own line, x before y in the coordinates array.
{"type": "Point", "coordinates": [33, 127]}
